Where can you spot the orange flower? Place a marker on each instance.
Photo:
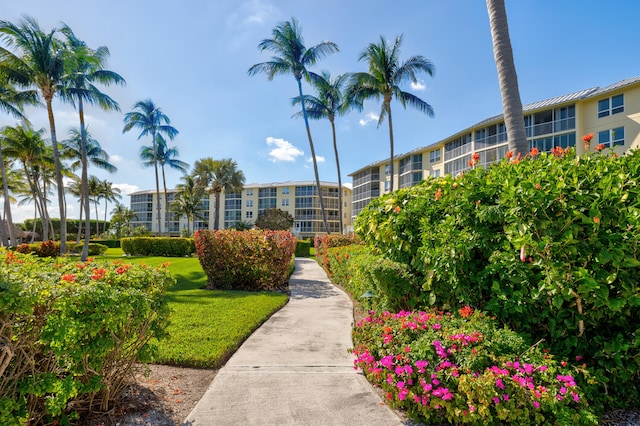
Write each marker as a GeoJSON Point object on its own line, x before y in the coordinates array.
{"type": "Point", "coordinates": [98, 273]}
{"type": "Point", "coordinates": [538, 186]}
{"type": "Point", "coordinates": [470, 163]}
{"type": "Point", "coordinates": [475, 157]}
{"type": "Point", "coordinates": [466, 312]}
{"type": "Point", "coordinates": [438, 194]}
{"type": "Point", "coordinates": [587, 138]}
{"type": "Point", "coordinates": [596, 219]}
{"type": "Point", "coordinates": [397, 209]}
{"type": "Point", "coordinates": [68, 278]}
{"type": "Point", "coordinates": [534, 152]}
{"type": "Point", "coordinates": [599, 147]}
{"type": "Point", "coordinates": [509, 154]}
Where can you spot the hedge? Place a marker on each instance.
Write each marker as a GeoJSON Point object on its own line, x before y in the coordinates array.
{"type": "Point", "coordinates": [158, 246]}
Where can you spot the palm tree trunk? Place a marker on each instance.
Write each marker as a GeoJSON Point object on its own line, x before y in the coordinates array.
{"type": "Point", "coordinates": [166, 201]}
{"type": "Point", "coordinates": [507, 77]}
{"type": "Point", "coordinates": [335, 150]}
{"type": "Point", "coordinates": [79, 235]}
{"type": "Point", "coordinates": [59, 183]}
{"type": "Point", "coordinates": [7, 205]}
{"type": "Point", "coordinates": [84, 184]}
{"type": "Point", "coordinates": [155, 166]}
{"type": "Point", "coordinates": [315, 162]}
{"type": "Point", "coordinates": [390, 146]}
{"type": "Point", "coordinates": [41, 201]}
{"type": "Point", "coordinates": [216, 219]}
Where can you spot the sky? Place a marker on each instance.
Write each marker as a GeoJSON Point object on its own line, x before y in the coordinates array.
{"type": "Point", "coordinates": [191, 58]}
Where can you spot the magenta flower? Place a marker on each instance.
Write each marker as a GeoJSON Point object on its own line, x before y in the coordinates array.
{"type": "Point", "coordinates": [536, 404]}
{"type": "Point", "coordinates": [499, 384]}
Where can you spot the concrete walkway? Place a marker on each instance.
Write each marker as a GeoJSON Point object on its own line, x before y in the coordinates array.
{"type": "Point", "coordinates": [295, 369]}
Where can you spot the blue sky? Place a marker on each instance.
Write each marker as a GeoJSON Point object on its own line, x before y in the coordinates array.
{"type": "Point", "coordinates": [191, 58]}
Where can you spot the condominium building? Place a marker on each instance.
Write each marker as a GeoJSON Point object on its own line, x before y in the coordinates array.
{"type": "Point", "coordinates": [299, 199]}
{"type": "Point", "coordinates": [611, 113]}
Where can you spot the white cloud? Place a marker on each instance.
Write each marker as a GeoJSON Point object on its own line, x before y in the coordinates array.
{"type": "Point", "coordinates": [126, 189]}
{"type": "Point", "coordinates": [283, 151]}
{"type": "Point", "coordinates": [115, 159]}
{"type": "Point", "coordinates": [418, 85]}
{"type": "Point", "coordinates": [369, 118]}
{"type": "Point", "coordinates": [319, 159]}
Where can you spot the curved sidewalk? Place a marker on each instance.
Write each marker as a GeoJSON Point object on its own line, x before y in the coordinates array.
{"type": "Point", "coordinates": [295, 369]}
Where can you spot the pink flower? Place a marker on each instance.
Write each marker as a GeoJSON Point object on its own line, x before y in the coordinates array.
{"type": "Point", "coordinates": [576, 397]}
{"type": "Point", "coordinates": [505, 397]}
{"type": "Point", "coordinates": [499, 384]}
{"type": "Point", "coordinates": [536, 404]}
{"type": "Point", "coordinates": [496, 400]}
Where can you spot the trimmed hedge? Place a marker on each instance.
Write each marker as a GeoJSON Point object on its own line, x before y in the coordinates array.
{"type": "Point", "coordinates": [71, 332]}
{"type": "Point", "coordinates": [549, 245]}
{"type": "Point", "coordinates": [94, 248]}
{"type": "Point", "coordinates": [158, 246]}
{"type": "Point", "coordinates": [252, 260]}
{"type": "Point", "coordinates": [108, 243]}
{"type": "Point", "coordinates": [303, 248]}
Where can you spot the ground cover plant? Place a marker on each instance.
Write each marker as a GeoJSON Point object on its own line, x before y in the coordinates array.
{"type": "Point", "coordinates": [464, 369]}
{"type": "Point", "coordinates": [70, 333]}
{"type": "Point", "coordinates": [547, 243]}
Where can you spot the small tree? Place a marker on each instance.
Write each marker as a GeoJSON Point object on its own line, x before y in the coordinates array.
{"type": "Point", "coordinates": [275, 220]}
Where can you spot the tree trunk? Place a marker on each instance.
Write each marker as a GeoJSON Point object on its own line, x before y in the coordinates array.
{"type": "Point", "coordinates": [388, 102]}
{"type": "Point", "coordinates": [166, 201]}
{"type": "Point", "coordinates": [9, 238]}
{"type": "Point", "coordinates": [315, 162]}
{"type": "Point", "coordinates": [59, 183]}
{"type": "Point", "coordinates": [155, 166]}
{"type": "Point", "coordinates": [335, 150]}
{"type": "Point", "coordinates": [216, 219]}
{"type": "Point", "coordinates": [507, 78]}
{"type": "Point", "coordinates": [84, 184]}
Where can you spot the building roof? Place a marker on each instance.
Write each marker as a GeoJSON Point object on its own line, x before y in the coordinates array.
{"type": "Point", "coordinates": [547, 103]}
{"type": "Point", "coordinates": [257, 185]}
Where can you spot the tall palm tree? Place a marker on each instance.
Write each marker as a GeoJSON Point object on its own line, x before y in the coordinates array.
{"type": "Point", "coordinates": [85, 67]}
{"type": "Point", "coordinates": [147, 117]}
{"type": "Point", "coordinates": [291, 56]}
{"type": "Point", "coordinates": [329, 103]}
{"type": "Point", "coordinates": [37, 61]}
{"type": "Point", "coordinates": [218, 176]}
{"type": "Point", "coordinates": [26, 145]}
{"type": "Point", "coordinates": [121, 217]}
{"type": "Point", "coordinates": [386, 74]}
{"type": "Point", "coordinates": [165, 156]}
{"type": "Point", "coordinates": [108, 193]}
{"type": "Point", "coordinates": [507, 78]}
{"type": "Point", "coordinates": [95, 188]}
{"type": "Point", "coordinates": [11, 102]}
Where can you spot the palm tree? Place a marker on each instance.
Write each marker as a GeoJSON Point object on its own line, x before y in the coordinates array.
{"type": "Point", "coordinates": [507, 78]}
{"type": "Point", "coordinates": [84, 68]}
{"type": "Point", "coordinates": [147, 117]}
{"type": "Point", "coordinates": [165, 156]}
{"type": "Point", "coordinates": [121, 218]}
{"type": "Point", "coordinates": [292, 57]}
{"type": "Point", "coordinates": [94, 185]}
{"type": "Point", "coordinates": [26, 145]}
{"type": "Point", "coordinates": [11, 102]}
{"type": "Point", "coordinates": [108, 193]}
{"type": "Point", "coordinates": [188, 200]}
{"type": "Point", "coordinates": [329, 103]}
{"type": "Point", "coordinates": [38, 61]}
{"type": "Point", "coordinates": [218, 176]}
{"type": "Point", "coordinates": [383, 80]}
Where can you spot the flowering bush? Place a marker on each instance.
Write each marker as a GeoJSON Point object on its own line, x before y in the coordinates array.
{"type": "Point", "coordinates": [549, 245]}
{"type": "Point", "coordinates": [71, 331]}
{"type": "Point", "coordinates": [251, 260]}
{"type": "Point", "coordinates": [461, 368]}
{"type": "Point", "coordinates": [323, 242]}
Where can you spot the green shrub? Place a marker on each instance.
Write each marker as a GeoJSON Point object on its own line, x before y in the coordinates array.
{"type": "Point", "coordinates": [303, 248]}
{"type": "Point", "coordinates": [323, 242]}
{"type": "Point", "coordinates": [250, 260]}
{"type": "Point", "coordinates": [47, 249]}
{"type": "Point", "coordinates": [547, 245]}
{"type": "Point", "coordinates": [108, 243]}
{"type": "Point", "coordinates": [73, 332]}
{"type": "Point", "coordinates": [443, 367]}
{"type": "Point", "coordinates": [95, 249]}
{"type": "Point", "coordinates": [158, 246]}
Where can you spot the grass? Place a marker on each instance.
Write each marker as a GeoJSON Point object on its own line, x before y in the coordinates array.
{"type": "Point", "coordinates": [207, 326]}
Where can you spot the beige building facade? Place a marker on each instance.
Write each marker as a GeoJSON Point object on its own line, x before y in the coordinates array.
{"type": "Point", "coordinates": [299, 199]}
{"type": "Point", "coordinates": [610, 113]}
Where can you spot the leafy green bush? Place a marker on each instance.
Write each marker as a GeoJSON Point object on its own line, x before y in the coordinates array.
{"type": "Point", "coordinates": [303, 248]}
{"type": "Point", "coordinates": [548, 245]}
{"type": "Point", "coordinates": [108, 243]}
{"type": "Point", "coordinates": [95, 249]}
{"type": "Point", "coordinates": [71, 333]}
{"type": "Point", "coordinates": [250, 260]}
{"type": "Point", "coordinates": [158, 246]}
{"type": "Point", "coordinates": [464, 369]}
{"type": "Point", "coordinates": [323, 242]}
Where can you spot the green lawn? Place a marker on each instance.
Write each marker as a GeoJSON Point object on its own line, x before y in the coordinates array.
{"type": "Point", "coordinates": [207, 326]}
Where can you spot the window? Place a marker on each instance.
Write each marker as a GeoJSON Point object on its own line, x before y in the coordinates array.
{"type": "Point", "coordinates": [435, 173]}
{"type": "Point", "coordinates": [610, 106]}
{"type": "Point", "coordinates": [387, 170]}
{"type": "Point", "coordinates": [249, 203]}
{"type": "Point", "coordinates": [434, 156]}
{"type": "Point", "coordinates": [249, 192]}
{"type": "Point", "coordinates": [249, 215]}
{"type": "Point", "coordinates": [610, 138]}
{"type": "Point", "coordinates": [285, 202]}
{"type": "Point", "coordinates": [285, 190]}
